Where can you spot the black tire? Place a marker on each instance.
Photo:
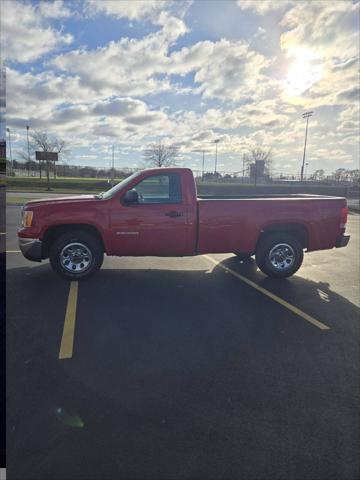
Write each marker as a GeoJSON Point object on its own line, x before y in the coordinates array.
{"type": "Point", "coordinates": [281, 249]}
{"type": "Point", "coordinates": [88, 246]}
{"type": "Point", "coordinates": [243, 256]}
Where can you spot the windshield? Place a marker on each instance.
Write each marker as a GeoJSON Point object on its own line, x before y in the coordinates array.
{"type": "Point", "coordinates": [116, 188]}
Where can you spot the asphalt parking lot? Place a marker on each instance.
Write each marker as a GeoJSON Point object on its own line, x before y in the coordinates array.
{"type": "Point", "coordinates": [196, 368]}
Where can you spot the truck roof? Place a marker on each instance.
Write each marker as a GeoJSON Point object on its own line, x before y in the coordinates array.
{"type": "Point", "coordinates": [168, 169]}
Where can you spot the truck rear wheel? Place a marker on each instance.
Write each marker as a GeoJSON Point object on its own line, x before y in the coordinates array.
{"type": "Point", "coordinates": [279, 255]}
{"type": "Point", "coordinates": [76, 255]}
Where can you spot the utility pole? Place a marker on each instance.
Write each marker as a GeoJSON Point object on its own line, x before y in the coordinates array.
{"type": "Point", "coordinates": [244, 158]}
{"type": "Point", "coordinates": [306, 115]}
{"type": "Point", "coordinates": [216, 144]}
{"type": "Point", "coordinates": [27, 134]}
{"type": "Point", "coordinates": [112, 167]}
{"type": "Point", "coordinates": [11, 159]}
{"type": "Point", "coordinates": [203, 165]}
{"type": "Point", "coordinates": [48, 174]}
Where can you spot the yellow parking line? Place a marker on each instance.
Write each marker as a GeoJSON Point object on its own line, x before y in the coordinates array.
{"type": "Point", "coordinates": [2, 233]}
{"type": "Point", "coordinates": [13, 251]}
{"type": "Point", "coordinates": [67, 341]}
{"type": "Point", "coordinates": [274, 297]}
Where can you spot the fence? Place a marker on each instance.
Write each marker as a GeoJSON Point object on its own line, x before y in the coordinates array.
{"type": "Point", "coordinates": [206, 177]}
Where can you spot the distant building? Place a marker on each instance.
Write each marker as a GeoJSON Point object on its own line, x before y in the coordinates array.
{"type": "Point", "coordinates": [257, 172]}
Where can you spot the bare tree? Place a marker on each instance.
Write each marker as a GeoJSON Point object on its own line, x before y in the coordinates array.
{"type": "Point", "coordinates": [160, 155]}
{"type": "Point", "coordinates": [318, 175]}
{"type": "Point", "coordinates": [42, 142]}
{"type": "Point", "coordinates": [259, 154]}
{"type": "Point", "coordinates": [340, 174]}
{"type": "Point", "coordinates": [345, 175]}
{"type": "Point", "coordinates": [355, 175]}
{"type": "Point", "coordinates": [256, 155]}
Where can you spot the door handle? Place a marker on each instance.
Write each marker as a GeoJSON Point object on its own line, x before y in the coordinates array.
{"type": "Point", "coordinates": [174, 214]}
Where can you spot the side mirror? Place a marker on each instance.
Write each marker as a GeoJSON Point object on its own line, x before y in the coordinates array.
{"type": "Point", "coordinates": [131, 196]}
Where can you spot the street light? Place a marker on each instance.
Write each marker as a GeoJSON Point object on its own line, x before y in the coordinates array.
{"type": "Point", "coordinates": [306, 115]}
{"type": "Point", "coordinates": [243, 170]}
{"type": "Point", "coordinates": [112, 167]}
{"type": "Point", "coordinates": [203, 163]}
{"type": "Point", "coordinates": [216, 144]}
{"type": "Point", "coordinates": [27, 133]}
{"type": "Point", "coordinates": [11, 159]}
{"type": "Point", "coordinates": [203, 151]}
{"type": "Point", "coordinates": [306, 165]}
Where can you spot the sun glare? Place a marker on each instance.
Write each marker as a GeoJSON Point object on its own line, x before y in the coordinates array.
{"type": "Point", "coordinates": [304, 70]}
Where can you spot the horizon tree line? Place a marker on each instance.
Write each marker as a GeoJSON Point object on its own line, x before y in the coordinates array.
{"type": "Point", "coordinates": [156, 154]}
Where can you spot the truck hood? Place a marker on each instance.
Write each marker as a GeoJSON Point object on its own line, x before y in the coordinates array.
{"type": "Point", "coordinates": [59, 200]}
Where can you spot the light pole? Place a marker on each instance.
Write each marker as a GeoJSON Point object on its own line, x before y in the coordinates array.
{"type": "Point", "coordinates": [216, 144]}
{"type": "Point", "coordinates": [203, 151]}
{"type": "Point", "coordinates": [112, 167]}
{"type": "Point", "coordinates": [306, 115]}
{"type": "Point", "coordinates": [203, 165]}
{"type": "Point", "coordinates": [243, 172]}
{"type": "Point", "coordinates": [27, 133]}
{"type": "Point", "coordinates": [11, 159]}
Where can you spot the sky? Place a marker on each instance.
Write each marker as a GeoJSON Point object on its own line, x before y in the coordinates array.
{"type": "Point", "coordinates": [98, 73]}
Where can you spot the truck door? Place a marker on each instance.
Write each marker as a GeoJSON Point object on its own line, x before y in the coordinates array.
{"type": "Point", "coordinates": [157, 224]}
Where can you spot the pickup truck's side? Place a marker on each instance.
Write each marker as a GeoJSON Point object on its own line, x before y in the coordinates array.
{"type": "Point", "coordinates": [157, 212]}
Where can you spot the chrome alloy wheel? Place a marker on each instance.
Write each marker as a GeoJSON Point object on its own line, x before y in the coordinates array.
{"type": "Point", "coordinates": [282, 256]}
{"type": "Point", "coordinates": [76, 257]}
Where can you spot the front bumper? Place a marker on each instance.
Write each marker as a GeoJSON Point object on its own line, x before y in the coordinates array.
{"type": "Point", "coordinates": [31, 248]}
{"type": "Point", "coordinates": [342, 241]}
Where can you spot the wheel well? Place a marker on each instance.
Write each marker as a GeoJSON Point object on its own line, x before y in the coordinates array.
{"type": "Point", "coordinates": [297, 230]}
{"type": "Point", "coordinates": [52, 233]}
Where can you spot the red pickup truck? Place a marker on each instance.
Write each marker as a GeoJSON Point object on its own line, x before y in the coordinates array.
{"type": "Point", "coordinates": [157, 212]}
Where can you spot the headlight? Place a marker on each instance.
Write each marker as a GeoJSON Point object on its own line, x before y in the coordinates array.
{"type": "Point", "coordinates": [27, 218]}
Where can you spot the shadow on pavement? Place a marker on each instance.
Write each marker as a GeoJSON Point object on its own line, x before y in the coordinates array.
{"type": "Point", "coordinates": [315, 298]}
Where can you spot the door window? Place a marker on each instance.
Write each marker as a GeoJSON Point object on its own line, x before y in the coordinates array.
{"type": "Point", "coordinates": [160, 189]}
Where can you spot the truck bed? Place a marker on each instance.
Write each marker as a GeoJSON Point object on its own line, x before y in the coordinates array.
{"type": "Point", "coordinates": [238, 226]}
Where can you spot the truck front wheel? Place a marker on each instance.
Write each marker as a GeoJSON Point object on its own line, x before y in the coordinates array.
{"type": "Point", "coordinates": [76, 255]}
{"type": "Point", "coordinates": [279, 255]}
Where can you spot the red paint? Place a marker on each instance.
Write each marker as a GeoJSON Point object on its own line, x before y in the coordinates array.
{"type": "Point", "coordinates": [203, 226]}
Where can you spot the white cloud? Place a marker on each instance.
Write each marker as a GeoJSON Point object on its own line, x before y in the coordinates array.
{"type": "Point", "coordinates": [54, 9]}
{"type": "Point", "coordinates": [327, 28]}
{"type": "Point", "coordinates": [137, 10]}
{"type": "Point", "coordinates": [225, 69]}
{"type": "Point", "coordinates": [128, 66]}
{"type": "Point", "coordinates": [260, 33]}
{"type": "Point", "coordinates": [349, 123]}
{"type": "Point", "coordinates": [63, 105]}
{"type": "Point", "coordinates": [228, 70]}
{"type": "Point", "coordinates": [34, 95]}
{"type": "Point", "coordinates": [262, 7]}
{"type": "Point", "coordinates": [321, 45]}
{"type": "Point", "coordinates": [131, 9]}
{"type": "Point", "coordinates": [231, 72]}
{"type": "Point", "coordinates": [25, 36]}
{"type": "Point", "coordinates": [334, 86]}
